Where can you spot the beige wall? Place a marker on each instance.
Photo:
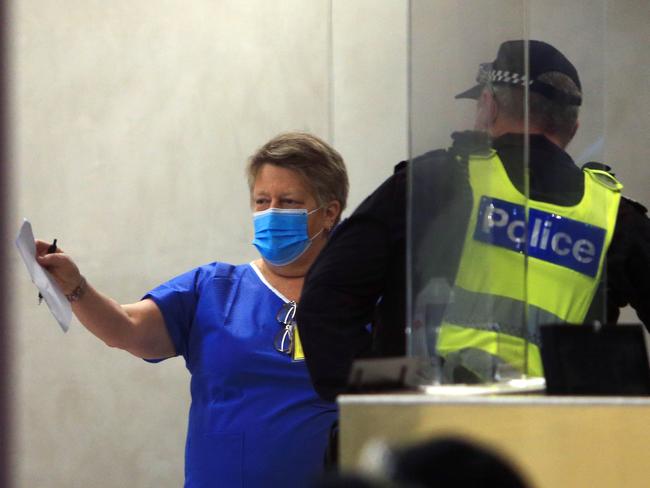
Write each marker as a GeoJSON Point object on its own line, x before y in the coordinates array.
{"type": "Point", "coordinates": [627, 69]}
{"type": "Point", "coordinates": [448, 41]}
{"type": "Point", "coordinates": [369, 88]}
{"type": "Point", "coordinates": [132, 122]}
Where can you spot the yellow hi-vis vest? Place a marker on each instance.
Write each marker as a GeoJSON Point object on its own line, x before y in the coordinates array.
{"type": "Point", "coordinates": [525, 263]}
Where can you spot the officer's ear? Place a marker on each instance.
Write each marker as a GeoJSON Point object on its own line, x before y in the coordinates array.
{"type": "Point", "coordinates": [575, 129]}
{"type": "Point", "coordinates": [493, 106]}
{"type": "Point", "coordinates": [487, 111]}
{"type": "Point", "coordinates": [565, 138]}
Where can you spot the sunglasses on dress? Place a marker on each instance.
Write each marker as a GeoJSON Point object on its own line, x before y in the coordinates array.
{"type": "Point", "coordinates": [283, 341]}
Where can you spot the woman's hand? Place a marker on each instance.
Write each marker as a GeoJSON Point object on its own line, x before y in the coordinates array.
{"type": "Point", "coordinates": [138, 327]}
{"type": "Point", "coordinates": [60, 265]}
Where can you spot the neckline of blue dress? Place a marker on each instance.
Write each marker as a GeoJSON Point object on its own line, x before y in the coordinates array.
{"type": "Point", "coordinates": [261, 277]}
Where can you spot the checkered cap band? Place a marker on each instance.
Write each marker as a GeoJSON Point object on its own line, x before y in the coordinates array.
{"type": "Point", "coordinates": [508, 77]}
{"type": "Point", "coordinates": [488, 75]}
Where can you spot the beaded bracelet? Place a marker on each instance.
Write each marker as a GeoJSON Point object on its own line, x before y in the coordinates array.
{"type": "Point", "coordinates": [78, 292]}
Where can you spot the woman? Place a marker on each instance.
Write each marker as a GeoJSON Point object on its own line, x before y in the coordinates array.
{"type": "Point", "coordinates": [255, 419]}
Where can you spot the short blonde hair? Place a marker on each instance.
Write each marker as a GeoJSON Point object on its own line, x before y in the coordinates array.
{"type": "Point", "coordinates": [320, 165]}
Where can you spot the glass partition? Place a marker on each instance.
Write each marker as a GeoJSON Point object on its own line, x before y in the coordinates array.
{"type": "Point", "coordinates": [505, 232]}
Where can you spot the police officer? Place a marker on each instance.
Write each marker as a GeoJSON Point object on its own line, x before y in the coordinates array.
{"type": "Point", "coordinates": [480, 184]}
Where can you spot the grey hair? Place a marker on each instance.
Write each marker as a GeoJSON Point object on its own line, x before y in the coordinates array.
{"type": "Point", "coordinates": [319, 165]}
{"type": "Point", "coordinates": [552, 117]}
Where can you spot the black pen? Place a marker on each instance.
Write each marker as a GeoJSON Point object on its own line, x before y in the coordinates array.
{"type": "Point", "coordinates": [50, 250]}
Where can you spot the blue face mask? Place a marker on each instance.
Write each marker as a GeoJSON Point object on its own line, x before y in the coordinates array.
{"type": "Point", "coordinates": [281, 234]}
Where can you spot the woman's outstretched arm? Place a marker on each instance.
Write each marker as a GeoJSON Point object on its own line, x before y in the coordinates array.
{"type": "Point", "coordinates": [138, 328]}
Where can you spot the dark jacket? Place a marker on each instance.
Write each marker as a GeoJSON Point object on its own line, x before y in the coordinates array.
{"type": "Point", "coordinates": [360, 277]}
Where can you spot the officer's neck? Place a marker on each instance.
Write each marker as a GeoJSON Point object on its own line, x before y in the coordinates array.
{"type": "Point", "coordinates": [501, 126]}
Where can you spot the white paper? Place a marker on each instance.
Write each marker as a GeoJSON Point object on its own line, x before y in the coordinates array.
{"type": "Point", "coordinates": [47, 286]}
{"type": "Point", "coordinates": [522, 385]}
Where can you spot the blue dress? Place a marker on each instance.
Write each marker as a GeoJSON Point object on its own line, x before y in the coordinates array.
{"type": "Point", "coordinates": [255, 419]}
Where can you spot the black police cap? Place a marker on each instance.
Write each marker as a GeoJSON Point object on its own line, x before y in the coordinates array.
{"type": "Point", "coordinates": [509, 68]}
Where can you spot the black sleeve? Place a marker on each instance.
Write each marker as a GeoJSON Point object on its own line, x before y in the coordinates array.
{"type": "Point", "coordinates": [346, 282]}
{"type": "Point", "coordinates": [628, 263]}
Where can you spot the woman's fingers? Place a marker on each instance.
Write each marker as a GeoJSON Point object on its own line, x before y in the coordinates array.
{"type": "Point", "coordinates": [54, 260]}
{"type": "Point", "coordinates": [43, 247]}
{"type": "Point", "coordinates": [64, 270]}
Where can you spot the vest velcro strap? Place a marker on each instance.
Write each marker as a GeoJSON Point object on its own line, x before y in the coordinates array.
{"type": "Point", "coordinates": [520, 354]}
{"type": "Point", "coordinates": [495, 313]}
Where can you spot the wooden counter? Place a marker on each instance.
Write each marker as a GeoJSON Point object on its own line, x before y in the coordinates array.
{"type": "Point", "coordinates": [554, 441]}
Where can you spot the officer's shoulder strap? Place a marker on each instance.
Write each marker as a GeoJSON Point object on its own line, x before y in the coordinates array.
{"type": "Point", "coordinates": [400, 166]}
{"type": "Point", "coordinates": [598, 166]}
{"type": "Point", "coordinates": [439, 161]}
{"type": "Point", "coordinates": [602, 174]}
{"type": "Point", "coordinates": [592, 165]}
{"type": "Point", "coordinates": [470, 142]}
